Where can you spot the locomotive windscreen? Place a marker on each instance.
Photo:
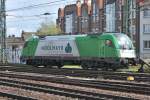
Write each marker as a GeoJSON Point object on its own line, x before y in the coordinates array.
{"type": "Point", "coordinates": [124, 42]}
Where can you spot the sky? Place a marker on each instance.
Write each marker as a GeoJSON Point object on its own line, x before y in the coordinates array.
{"type": "Point", "coordinates": [28, 19]}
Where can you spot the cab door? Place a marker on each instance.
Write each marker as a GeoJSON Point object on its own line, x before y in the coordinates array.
{"type": "Point", "coordinates": [109, 48]}
{"type": "Point", "coordinates": [102, 48]}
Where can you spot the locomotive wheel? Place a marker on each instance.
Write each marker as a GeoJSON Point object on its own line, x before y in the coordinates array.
{"type": "Point", "coordinates": [94, 68]}
{"type": "Point", "coordinates": [84, 66]}
{"type": "Point", "coordinates": [105, 68]}
{"type": "Point", "coordinates": [35, 65]}
{"type": "Point", "coordinates": [28, 62]}
{"type": "Point", "coordinates": [47, 66]}
{"type": "Point", "coordinates": [59, 66]}
{"type": "Point", "coordinates": [114, 69]}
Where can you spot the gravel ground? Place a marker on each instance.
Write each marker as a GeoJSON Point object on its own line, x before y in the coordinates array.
{"type": "Point", "coordinates": [4, 98]}
{"type": "Point", "coordinates": [33, 94]}
{"type": "Point", "coordinates": [132, 95]}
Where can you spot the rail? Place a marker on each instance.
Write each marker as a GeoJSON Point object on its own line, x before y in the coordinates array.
{"type": "Point", "coordinates": [108, 85]}
{"type": "Point", "coordinates": [143, 62]}
{"type": "Point", "coordinates": [61, 91]}
{"type": "Point", "coordinates": [15, 97]}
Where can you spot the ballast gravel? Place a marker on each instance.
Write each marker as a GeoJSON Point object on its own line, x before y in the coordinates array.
{"type": "Point", "coordinates": [32, 94]}
{"type": "Point", "coordinates": [101, 91]}
{"type": "Point", "coordinates": [4, 98]}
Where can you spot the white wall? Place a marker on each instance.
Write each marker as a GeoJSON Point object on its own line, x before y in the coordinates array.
{"type": "Point", "coordinates": [144, 52]}
{"type": "Point", "coordinates": [13, 56]}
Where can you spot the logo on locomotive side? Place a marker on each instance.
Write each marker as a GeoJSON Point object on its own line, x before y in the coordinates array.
{"type": "Point", "coordinates": [68, 48]}
{"type": "Point", "coordinates": [52, 47]}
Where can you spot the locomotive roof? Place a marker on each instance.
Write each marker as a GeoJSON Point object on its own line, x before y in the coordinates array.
{"type": "Point", "coordinates": [68, 37]}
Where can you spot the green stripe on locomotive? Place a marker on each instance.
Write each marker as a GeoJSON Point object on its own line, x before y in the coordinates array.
{"type": "Point", "coordinates": [30, 47]}
{"type": "Point", "coordinates": [95, 46]}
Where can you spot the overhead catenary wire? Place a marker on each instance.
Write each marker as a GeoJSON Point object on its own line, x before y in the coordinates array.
{"type": "Point", "coordinates": [22, 20]}
{"type": "Point", "coordinates": [28, 18]}
{"type": "Point", "coordinates": [36, 6]}
{"type": "Point", "coordinates": [43, 4]}
{"type": "Point", "coordinates": [32, 6]}
{"type": "Point", "coordinates": [39, 15]}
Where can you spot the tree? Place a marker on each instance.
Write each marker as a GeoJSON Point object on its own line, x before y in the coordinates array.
{"type": "Point", "coordinates": [48, 29]}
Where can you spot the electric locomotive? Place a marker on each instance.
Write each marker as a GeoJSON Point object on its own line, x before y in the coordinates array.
{"type": "Point", "coordinates": [93, 51]}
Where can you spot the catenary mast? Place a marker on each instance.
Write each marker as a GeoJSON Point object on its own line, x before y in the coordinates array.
{"type": "Point", "coordinates": [3, 58]}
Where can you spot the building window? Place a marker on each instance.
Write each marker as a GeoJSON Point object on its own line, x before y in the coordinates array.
{"type": "Point", "coordinates": [110, 17]}
{"type": "Point", "coordinates": [146, 13]}
{"type": "Point", "coordinates": [146, 28]}
{"type": "Point", "coordinates": [146, 44]}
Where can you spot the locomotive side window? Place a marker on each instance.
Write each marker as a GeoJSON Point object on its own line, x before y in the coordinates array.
{"type": "Point", "coordinates": [109, 43]}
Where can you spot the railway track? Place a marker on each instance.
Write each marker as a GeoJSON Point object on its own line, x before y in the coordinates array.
{"type": "Point", "coordinates": [15, 97]}
{"type": "Point", "coordinates": [98, 84]}
{"type": "Point", "coordinates": [61, 91]}
{"type": "Point", "coordinates": [81, 73]}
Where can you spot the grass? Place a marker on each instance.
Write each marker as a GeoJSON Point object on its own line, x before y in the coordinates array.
{"type": "Point", "coordinates": [134, 68]}
{"type": "Point", "coordinates": [72, 66]}
{"type": "Point", "coordinates": [130, 69]}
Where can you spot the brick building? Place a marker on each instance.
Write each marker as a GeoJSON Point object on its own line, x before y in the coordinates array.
{"type": "Point", "coordinates": [68, 18]}
{"type": "Point", "coordinates": [60, 20]}
{"type": "Point", "coordinates": [14, 46]}
{"type": "Point", "coordinates": [95, 16]}
{"type": "Point", "coordinates": [85, 17]}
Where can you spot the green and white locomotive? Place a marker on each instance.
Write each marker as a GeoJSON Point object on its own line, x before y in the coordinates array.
{"type": "Point", "coordinates": [105, 51]}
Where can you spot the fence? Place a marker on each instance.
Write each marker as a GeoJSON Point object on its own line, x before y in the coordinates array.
{"type": "Point", "coordinates": [13, 56]}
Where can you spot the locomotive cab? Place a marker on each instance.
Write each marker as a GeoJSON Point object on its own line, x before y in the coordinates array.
{"type": "Point", "coordinates": [126, 49]}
